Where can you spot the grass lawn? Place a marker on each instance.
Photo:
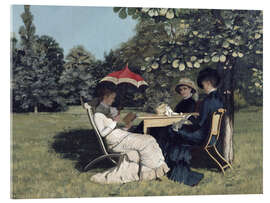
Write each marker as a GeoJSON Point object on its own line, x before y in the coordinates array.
{"type": "Point", "coordinates": [50, 149]}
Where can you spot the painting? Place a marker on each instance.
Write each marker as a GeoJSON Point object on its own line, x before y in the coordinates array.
{"type": "Point", "coordinates": [128, 101]}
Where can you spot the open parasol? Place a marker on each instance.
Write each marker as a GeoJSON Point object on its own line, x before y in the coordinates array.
{"type": "Point", "coordinates": [125, 76]}
{"type": "Point", "coordinates": [126, 83]}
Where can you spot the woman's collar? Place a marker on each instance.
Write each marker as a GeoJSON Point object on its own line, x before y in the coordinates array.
{"type": "Point", "coordinates": [212, 90]}
{"type": "Point", "coordinates": [188, 97]}
{"type": "Point", "coordinates": [105, 105]}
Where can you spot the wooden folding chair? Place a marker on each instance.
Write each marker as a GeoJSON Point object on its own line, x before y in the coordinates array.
{"type": "Point", "coordinates": [105, 155]}
{"type": "Point", "coordinates": [210, 143]}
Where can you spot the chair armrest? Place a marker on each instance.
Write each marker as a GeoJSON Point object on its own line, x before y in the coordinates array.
{"type": "Point", "coordinates": [86, 106]}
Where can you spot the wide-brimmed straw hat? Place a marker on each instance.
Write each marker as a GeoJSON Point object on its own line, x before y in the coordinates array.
{"type": "Point", "coordinates": [186, 82]}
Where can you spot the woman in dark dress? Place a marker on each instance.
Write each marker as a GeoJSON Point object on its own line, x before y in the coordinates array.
{"type": "Point", "coordinates": [187, 89]}
{"type": "Point", "coordinates": [177, 155]}
{"type": "Point", "coordinates": [183, 139]}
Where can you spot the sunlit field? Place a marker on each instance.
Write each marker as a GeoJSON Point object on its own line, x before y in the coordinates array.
{"type": "Point", "coordinates": [49, 151]}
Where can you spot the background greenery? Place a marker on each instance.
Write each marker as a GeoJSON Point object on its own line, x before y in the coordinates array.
{"type": "Point", "coordinates": [47, 160]}
{"type": "Point", "coordinates": [168, 44]}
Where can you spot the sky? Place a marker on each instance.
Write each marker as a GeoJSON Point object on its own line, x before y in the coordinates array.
{"type": "Point", "coordinates": [98, 29]}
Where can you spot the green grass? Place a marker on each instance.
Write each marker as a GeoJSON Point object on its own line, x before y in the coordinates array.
{"type": "Point", "coordinates": [49, 151]}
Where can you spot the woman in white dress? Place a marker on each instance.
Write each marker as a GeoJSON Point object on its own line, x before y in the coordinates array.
{"type": "Point", "coordinates": [144, 159]}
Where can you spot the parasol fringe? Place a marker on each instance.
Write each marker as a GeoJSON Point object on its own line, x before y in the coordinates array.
{"type": "Point", "coordinates": [117, 81]}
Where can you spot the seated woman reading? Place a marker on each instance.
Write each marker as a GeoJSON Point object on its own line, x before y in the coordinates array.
{"type": "Point", "coordinates": [144, 160]}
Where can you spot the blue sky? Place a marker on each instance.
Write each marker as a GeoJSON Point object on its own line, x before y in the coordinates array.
{"type": "Point", "coordinates": [98, 29]}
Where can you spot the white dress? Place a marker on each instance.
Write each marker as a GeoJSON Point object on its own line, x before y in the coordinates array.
{"type": "Point", "coordinates": [144, 160]}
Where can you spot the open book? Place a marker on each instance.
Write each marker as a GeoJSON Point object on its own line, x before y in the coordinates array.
{"type": "Point", "coordinates": [129, 118]}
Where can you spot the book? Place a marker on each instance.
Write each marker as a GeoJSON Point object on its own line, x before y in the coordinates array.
{"type": "Point", "coordinates": [129, 118]}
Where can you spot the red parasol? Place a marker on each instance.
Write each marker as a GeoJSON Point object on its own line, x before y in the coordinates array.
{"type": "Point", "coordinates": [125, 76]}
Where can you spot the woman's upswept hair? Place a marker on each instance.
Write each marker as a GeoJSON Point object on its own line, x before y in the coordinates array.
{"type": "Point", "coordinates": [208, 74]}
{"type": "Point", "coordinates": [102, 92]}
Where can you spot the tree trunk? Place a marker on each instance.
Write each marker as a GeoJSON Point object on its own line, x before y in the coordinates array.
{"type": "Point", "coordinates": [227, 148]}
{"type": "Point", "coordinates": [227, 89]}
{"type": "Point", "coordinates": [35, 109]}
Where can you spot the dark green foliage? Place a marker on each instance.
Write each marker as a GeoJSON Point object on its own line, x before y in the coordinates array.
{"type": "Point", "coordinates": [195, 38]}
{"type": "Point", "coordinates": [35, 78]}
{"type": "Point", "coordinates": [78, 78]}
{"type": "Point", "coordinates": [131, 11]}
{"type": "Point", "coordinates": [116, 9]}
{"type": "Point", "coordinates": [245, 80]}
{"type": "Point", "coordinates": [123, 14]}
{"type": "Point", "coordinates": [36, 69]}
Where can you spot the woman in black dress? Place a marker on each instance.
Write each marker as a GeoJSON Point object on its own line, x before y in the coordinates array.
{"type": "Point", "coordinates": [183, 139]}
{"type": "Point", "coordinates": [187, 89]}
{"type": "Point", "coordinates": [177, 155]}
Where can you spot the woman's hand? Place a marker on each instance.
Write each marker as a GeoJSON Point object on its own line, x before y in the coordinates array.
{"type": "Point", "coordinates": [187, 116]}
{"type": "Point", "coordinates": [128, 125]}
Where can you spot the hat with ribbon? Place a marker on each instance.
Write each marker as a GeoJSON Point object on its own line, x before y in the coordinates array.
{"type": "Point", "coordinates": [186, 82]}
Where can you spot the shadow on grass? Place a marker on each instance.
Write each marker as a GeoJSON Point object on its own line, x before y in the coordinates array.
{"type": "Point", "coordinates": [200, 159]}
{"type": "Point", "coordinates": [81, 146]}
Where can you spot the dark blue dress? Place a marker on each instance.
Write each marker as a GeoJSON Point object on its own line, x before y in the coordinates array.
{"type": "Point", "coordinates": [176, 146]}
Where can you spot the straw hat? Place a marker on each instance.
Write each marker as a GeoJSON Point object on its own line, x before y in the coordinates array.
{"type": "Point", "coordinates": [186, 82]}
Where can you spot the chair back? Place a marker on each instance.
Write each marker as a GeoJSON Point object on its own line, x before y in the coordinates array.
{"type": "Point", "coordinates": [214, 132]}
{"type": "Point", "coordinates": [90, 114]}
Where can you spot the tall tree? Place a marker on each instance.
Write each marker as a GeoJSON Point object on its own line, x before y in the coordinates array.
{"type": "Point", "coordinates": [22, 74]}
{"type": "Point", "coordinates": [77, 78]}
{"type": "Point", "coordinates": [48, 76]}
{"type": "Point", "coordinates": [199, 37]}
{"type": "Point", "coordinates": [36, 73]}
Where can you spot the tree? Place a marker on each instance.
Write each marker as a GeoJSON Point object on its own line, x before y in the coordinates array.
{"type": "Point", "coordinates": [36, 70]}
{"type": "Point", "coordinates": [77, 78]}
{"type": "Point", "coordinates": [52, 62]}
{"type": "Point", "coordinates": [22, 74]}
{"type": "Point", "coordinates": [205, 37]}
{"type": "Point", "coordinates": [134, 52]}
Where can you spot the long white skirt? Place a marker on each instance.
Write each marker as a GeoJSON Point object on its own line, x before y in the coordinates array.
{"type": "Point", "coordinates": [143, 161]}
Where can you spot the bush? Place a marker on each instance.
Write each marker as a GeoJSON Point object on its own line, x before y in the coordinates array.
{"type": "Point", "coordinates": [239, 100]}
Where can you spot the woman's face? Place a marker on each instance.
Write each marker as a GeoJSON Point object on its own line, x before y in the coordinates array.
{"type": "Point", "coordinates": [184, 91]}
{"type": "Point", "coordinates": [109, 99]}
{"type": "Point", "coordinates": [207, 86]}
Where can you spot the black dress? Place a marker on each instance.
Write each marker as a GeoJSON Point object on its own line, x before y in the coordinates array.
{"type": "Point", "coordinates": [186, 106]}
{"type": "Point", "coordinates": [179, 143]}
{"type": "Point", "coordinates": [177, 154]}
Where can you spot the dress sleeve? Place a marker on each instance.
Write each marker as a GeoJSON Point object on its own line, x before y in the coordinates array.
{"type": "Point", "coordinates": [105, 125]}
{"type": "Point", "coordinates": [203, 115]}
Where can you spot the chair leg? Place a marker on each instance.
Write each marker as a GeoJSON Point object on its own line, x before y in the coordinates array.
{"type": "Point", "coordinates": [227, 163]}
{"type": "Point", "coordinates": [101, 158]}
{"type": "Point", "coordinates": [222, 166]}
{"type": "Point", "coordinates": [120, 160]}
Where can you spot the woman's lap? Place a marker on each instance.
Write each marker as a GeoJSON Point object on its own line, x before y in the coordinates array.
{"type": "Point", "coordinates": [149, 152]}
{"type": "Point", "coordinates": [177, 153]}
{"type": "Point", "coordinates": [148, 165]}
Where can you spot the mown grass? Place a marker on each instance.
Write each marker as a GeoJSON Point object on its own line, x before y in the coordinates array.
{"type": "Point", "coordinates": [49, 151]}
